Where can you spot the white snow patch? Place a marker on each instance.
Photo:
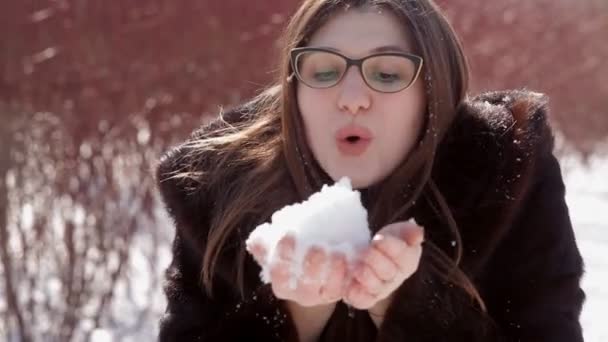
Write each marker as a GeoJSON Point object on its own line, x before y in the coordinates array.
{"type": "Point", "coordinates": [101, 335]}
{"type": "Point", "coordinates": [587, 198]}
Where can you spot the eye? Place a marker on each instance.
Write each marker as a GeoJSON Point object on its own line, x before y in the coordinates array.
{"type": "Point", "coordinates": [322, 76]}
{"type": "Point", "coordinates": [386, 77]}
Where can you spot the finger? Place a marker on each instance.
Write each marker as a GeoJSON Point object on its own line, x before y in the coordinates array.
{"type": "Point", "coordinates": [409, 231]}
{"type": "Point", "coordinates": [281, 280]}
{"type": "Point", "coordinates": [368, 279]}
{"type": "Point", "coordinates": [408, 264]}
{"type": "Point", "coordinates": [333, 288]}
{"type": "Point", "coordinates": [359, 298]}
{"type": "Point", "coordinates": [286, 247]}
{"type": "Point", "coordinates": [314, 263]}
{"type": "Point", "coordinates": [412, 235]}
{"type": "Point", "coordinates": [395, 228]}
{"type": "Point", "coordinates": [405, 257]}
{"type": "Point", "coordinates": [393, 247]}
{"type": "Point", "coordinates": [281, 276]}
{"type": "Point", "coordinates": [309, 285]}
{"type": "Point", "coordinates": [383, 266]}
{"type": "Point", "coordinates": [258, 251]}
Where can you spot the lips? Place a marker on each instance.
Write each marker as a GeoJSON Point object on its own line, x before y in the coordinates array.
{"type": "Point", "coordinates": [353, 140]}
{"type": "Point", "coordinates": [353, 131]}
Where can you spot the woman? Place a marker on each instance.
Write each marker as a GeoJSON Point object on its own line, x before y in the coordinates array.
{"type": "Point", "coordinates": [376, 91]}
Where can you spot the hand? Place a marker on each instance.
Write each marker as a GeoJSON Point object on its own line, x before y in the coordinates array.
{"type": "Point", "coordinates": [392, 257]}
{"type": "Point", "coordinates": [313, 287]}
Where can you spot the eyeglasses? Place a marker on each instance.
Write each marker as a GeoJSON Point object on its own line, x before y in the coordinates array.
{"type": "Point", "coordinates": [386, 72]}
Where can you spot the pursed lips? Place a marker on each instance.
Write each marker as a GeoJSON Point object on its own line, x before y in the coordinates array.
{"type": "Point", "coordinates": [353, 140]}
{"type": "Point", "coordinates": [354, 132]}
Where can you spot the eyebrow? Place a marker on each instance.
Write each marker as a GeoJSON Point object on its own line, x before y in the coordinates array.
{"type": "Point", "coordinates": [379, 49]}
{"type": "Point", "coordinates": [388, 48]}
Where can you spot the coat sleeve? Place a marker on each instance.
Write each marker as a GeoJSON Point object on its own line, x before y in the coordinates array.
{"type": "Point", "coordinates": [530, 286]}
{"type": "Point", "coordinates": [191, 315]}
{"type": "Point", "coordinates": [533, 285]}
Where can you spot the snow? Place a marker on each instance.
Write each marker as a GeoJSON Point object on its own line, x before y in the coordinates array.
{"type": "Point", "coordinates": [101, 335]}
{"type": "Point", "coordinates": [337, 206]}
{"type": "Point", "coordinates": [587, 198]}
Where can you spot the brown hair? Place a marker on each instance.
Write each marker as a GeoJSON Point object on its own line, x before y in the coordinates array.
{"type": "Point", "coordinates": [269, 148]}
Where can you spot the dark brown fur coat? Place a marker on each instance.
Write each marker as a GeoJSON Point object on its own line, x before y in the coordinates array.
{"type": "Point", "coordinates": [497, 172]}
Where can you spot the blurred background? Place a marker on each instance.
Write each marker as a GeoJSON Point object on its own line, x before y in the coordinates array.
{"type": "Point", "coordinates": [92, 91]}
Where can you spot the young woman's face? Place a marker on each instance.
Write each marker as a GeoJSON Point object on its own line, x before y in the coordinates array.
{"type": "Point", "coordinates": [387, 124]}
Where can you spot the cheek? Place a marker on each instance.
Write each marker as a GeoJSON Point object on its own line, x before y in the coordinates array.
{"type": "Point", "coordinates": [311, 105]}
{"type": "Point", "coordinates": [312, 101]}
{"type": "Point", "coordinates": [403, 130]}
{"type": "Point", "coordinates": [307, 112]}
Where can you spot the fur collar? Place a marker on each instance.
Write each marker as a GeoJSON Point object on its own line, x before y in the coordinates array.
{"type": "Point", "coordinates": [486, 165]}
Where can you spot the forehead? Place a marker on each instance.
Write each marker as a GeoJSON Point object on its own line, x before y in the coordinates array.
{"type": "Point", "coordinates": [356, 32]}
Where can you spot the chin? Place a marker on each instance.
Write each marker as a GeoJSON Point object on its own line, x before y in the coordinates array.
{"type": "Point", "coordinates": [358, 181]}
{"type": "Point", "coordinates": [360, 177]}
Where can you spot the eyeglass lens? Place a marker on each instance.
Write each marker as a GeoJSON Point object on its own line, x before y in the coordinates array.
{"type": "Point", "coordinates": [385, 73]}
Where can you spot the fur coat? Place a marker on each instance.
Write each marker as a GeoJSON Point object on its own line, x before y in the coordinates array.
{"type": "Point", "coordinates": [497, 172]}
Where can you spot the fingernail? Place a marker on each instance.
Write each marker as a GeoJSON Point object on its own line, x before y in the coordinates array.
{"type": "Point", "coordinates": [378, 237]}
{"type": "Point", "coordinates": [419, 238]}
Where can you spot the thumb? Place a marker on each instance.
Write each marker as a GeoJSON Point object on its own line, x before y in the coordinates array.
{"type": "Point", "coordinates": [412, 233]}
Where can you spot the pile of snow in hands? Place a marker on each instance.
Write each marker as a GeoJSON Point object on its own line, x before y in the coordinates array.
{"type": "Point", "coordinates": [332, 219]}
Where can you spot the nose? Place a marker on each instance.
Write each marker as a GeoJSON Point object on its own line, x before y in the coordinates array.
{"type": "Point", "coordinates": [354, 96]}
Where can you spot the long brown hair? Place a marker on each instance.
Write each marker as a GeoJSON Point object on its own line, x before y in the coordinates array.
{"type": "Point", "coordinates": [269, 148]}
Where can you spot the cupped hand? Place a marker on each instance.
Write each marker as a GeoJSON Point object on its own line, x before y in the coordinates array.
{"type": "Point", "coordinates": [323, 278]}
{"type": "Point", "coordinates": [392, 257]}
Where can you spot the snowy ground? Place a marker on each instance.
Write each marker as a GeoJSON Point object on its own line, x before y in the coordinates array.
{"type": "Point", "coordinates": [587, 197]}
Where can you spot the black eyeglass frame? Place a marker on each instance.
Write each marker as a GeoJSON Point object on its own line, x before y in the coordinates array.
{"type": "Point", "coordinates": [358, 62]}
